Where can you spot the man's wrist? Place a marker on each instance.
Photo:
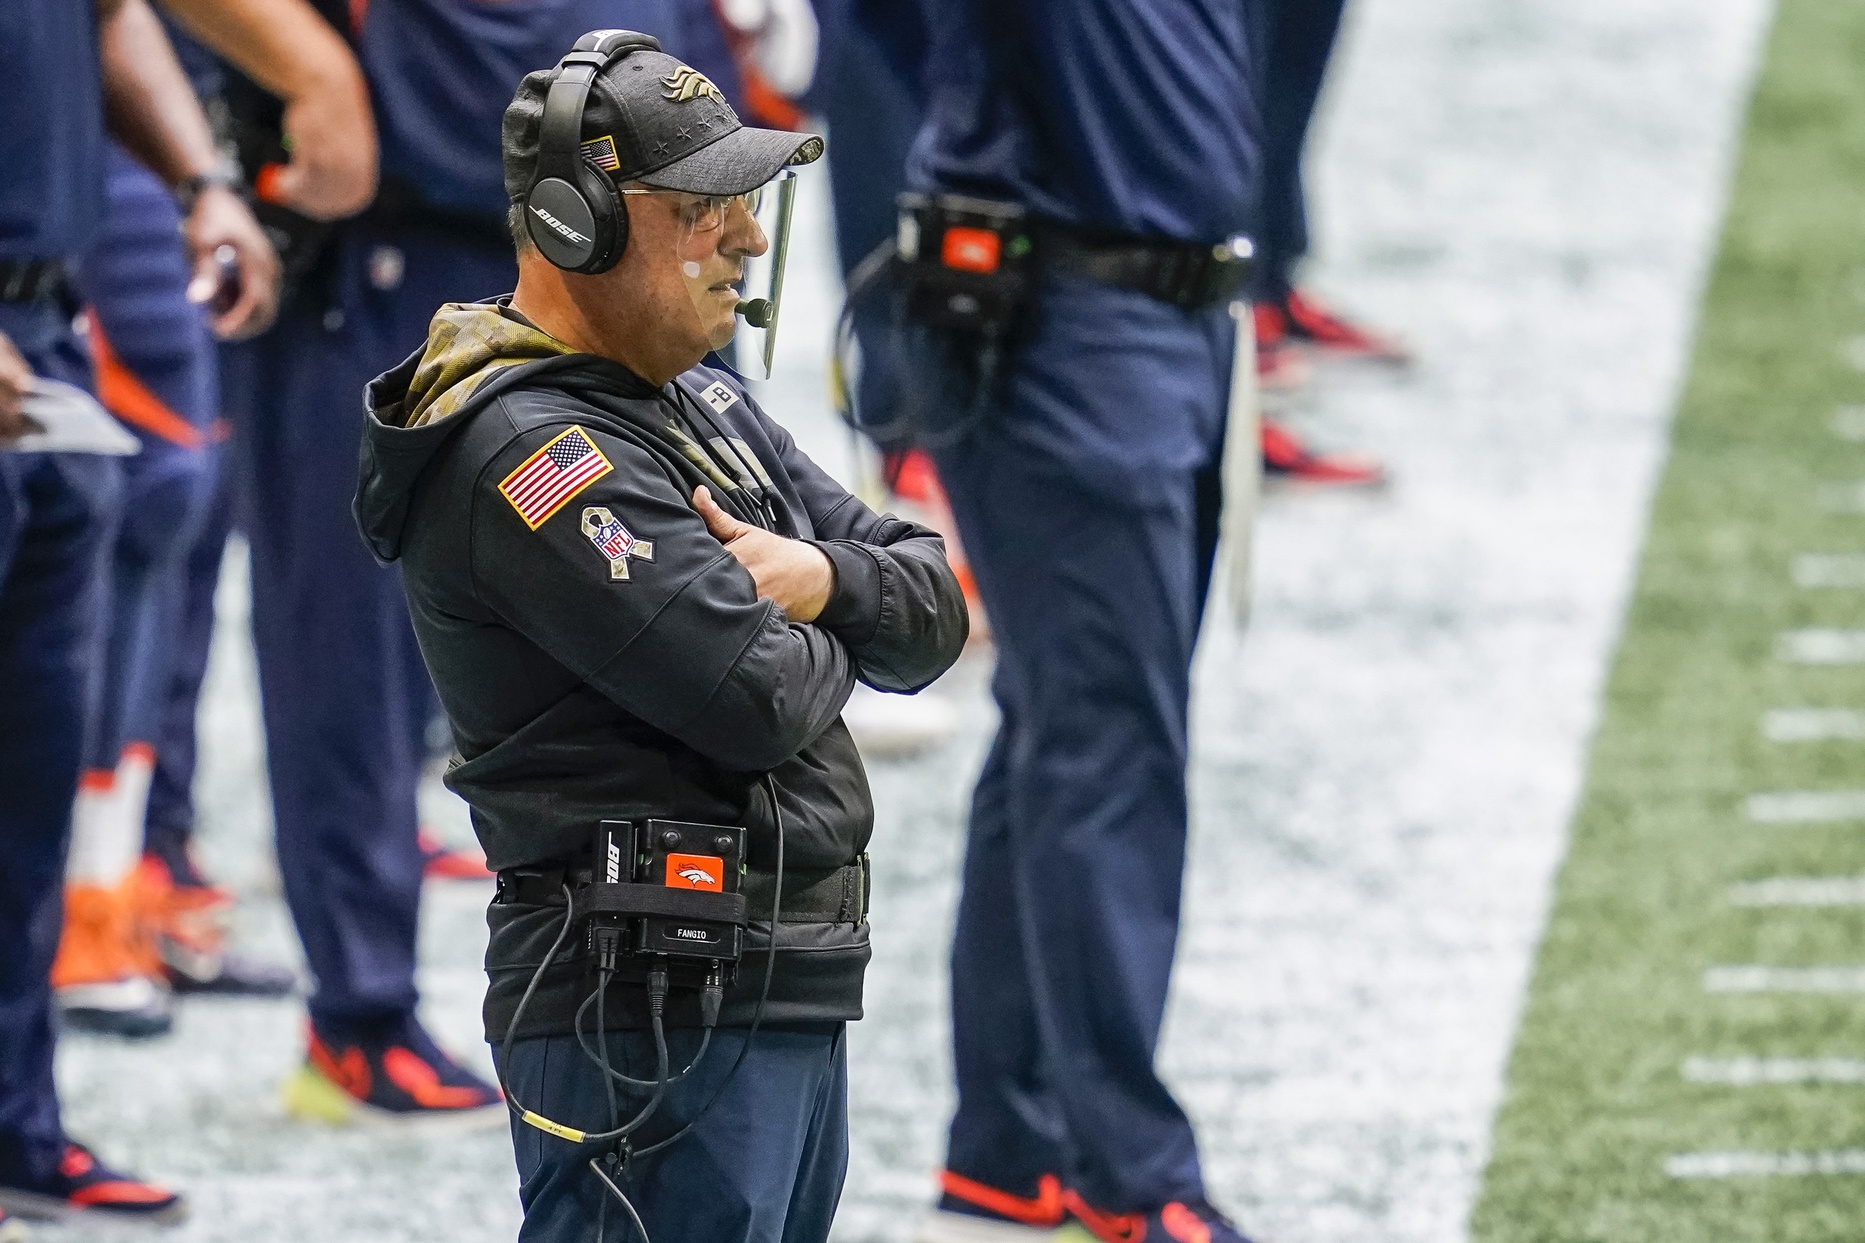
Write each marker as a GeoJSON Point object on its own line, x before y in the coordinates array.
{"type": "Point", "coordinates": [224, 175]}
{"type": "Point", "coordinates": [853, 610]}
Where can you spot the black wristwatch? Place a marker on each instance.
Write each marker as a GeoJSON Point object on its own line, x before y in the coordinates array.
{"type": "Point", "coordinates": [189, 190]}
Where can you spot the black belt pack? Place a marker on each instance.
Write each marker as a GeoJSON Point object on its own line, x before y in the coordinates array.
{"type": "Point", "coordinates": [677, 895]}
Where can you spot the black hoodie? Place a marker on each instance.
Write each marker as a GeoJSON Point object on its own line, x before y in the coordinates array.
{"type": "Point", "coordinates": [601, 656]}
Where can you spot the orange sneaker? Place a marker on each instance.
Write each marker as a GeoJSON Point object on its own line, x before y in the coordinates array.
{"type": "Point", "coordinates": [187, 924]}
{"type": "Point", "coordinates": [973, 1212]}
{"type": "Point", "coordinates": [106, 977]}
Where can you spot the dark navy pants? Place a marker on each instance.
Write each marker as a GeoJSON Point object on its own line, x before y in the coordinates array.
{"type": "Point", "coordinates": [1079, 506]}
{"type": "Point", "coordinates": [1297, 40]}
{"type": "Point", "coordinates": [56, 518]}
{"type": "Point", "coordinates": [156, 369]}
{"type": "Point", "coordinates": [170, 824]}
{"type": "Point", "coordinates": [764, 1165]}
{"type": "Point", "coordinates": [347, 699]}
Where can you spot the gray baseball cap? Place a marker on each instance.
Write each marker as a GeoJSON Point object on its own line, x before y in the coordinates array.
{"type": "Point", "coordinates": [653, 119]}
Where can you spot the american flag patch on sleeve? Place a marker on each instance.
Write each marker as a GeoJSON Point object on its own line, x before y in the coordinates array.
{"type": "Point", "coordinates": [545, 481]}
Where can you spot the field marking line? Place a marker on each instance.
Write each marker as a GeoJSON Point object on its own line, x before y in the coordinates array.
{"type": "Point", "coordinates": [1799, 891]}
{"type": "Point", "coordinates": [1829, 569]}
{"type": "Point", "coordinates": [1749, 1072]}
{"type": "Point", "coordinates": [1820, 645]}
{"type": "Point", "coordinates": [1749, 978]}
{"type": "Point", "coordinates": [1805, 807]}
{"type": "Point", "coordinates": [1812, 724]}
{"type": "Point", "coordinates": [1764, 1164]}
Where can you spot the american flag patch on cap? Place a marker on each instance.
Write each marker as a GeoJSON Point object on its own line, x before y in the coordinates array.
{"type": "Point", "coordinates": [545, 481]}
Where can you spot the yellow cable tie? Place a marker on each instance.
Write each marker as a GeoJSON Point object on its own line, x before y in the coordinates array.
{"type": "Point", "coordinates": [554, 1128]}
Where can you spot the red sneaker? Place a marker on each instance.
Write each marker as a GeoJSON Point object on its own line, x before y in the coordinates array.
{"type": "Point", "coordinates": [1175, 1223]}
{"type": "Point", "coordinates": [447, 864]}
{"type": "Point", "coordinates": [84, 1185]}
{"type": "Point", "coordinates": [393, 1076]}
{"type": "Point", "coordinates": [1286, 459]}
{"type": "Point", "coordinates": [1280, 366]}
{"type": "Point", "coordinates": [972, 1212]}
{"type": "Point", "coordinates": [1313, 324]}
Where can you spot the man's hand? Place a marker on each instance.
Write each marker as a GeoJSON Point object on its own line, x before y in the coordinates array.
{"type": "Point", "coordinates": [221, 228]}
{"type": "Point", "coordinates": [798, 576]}
{"type": "Point", "coordinates": [15, 383]}
{"type": "Point", "coordinates": [332, 140]}
{"type": "Point", "coordinates": [330, 132]}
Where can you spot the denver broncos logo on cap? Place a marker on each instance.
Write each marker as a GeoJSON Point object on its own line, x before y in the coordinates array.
{"type": "Point", "coordinates": [687, 83]}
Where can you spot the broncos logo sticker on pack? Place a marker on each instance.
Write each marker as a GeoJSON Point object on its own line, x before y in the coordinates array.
{"type": "Point", "coordinates": [614, 542]}
{"type": "Point", "coordinates": [686, 83]}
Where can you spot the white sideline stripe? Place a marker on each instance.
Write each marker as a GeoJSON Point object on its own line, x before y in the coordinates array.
{"type": "Point", "coordinates": [1849, 422]}
{"type": "Point", "coordinates": [1843, 498]}
{"type": "Point", "coordinates": [1764, 1164]}
{"type": "Point", "coordinates": [1829, 569]}
{"type": "Point", "coordinates": [1748, 1072]}
{"type": "Point", "coordinates": [1800, 891]}
{"type": "Point", "coordinates": [1812, 724]}
{"type": "Point", "coordinates": [1820, 646]}
{"type": "Point", "coordinates": [1806, 806]}
{"type": "Point", "coordinates": [1752, 979]}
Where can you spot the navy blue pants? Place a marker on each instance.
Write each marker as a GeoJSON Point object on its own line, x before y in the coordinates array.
{"type": "Point", "coordinates": [347, 699]}
{"type": "Point", "coordinates": [57, 514]}
{"type": "Point", "coordinates": [1297, 40]}
{"type": "Point", "coordinates": [156, 368]}
{"type": "Point", "coordinates": [764, 1165]}
{"type": "Point", "coordinates": [170, 824]}
{"type": "Point", "coordinates": [1079, 504]}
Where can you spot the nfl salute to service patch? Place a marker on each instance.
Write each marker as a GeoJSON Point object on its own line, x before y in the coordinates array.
{"type": "Point", "coordinates": [614, 542]}
{"type": "Point", "coordinates": [547, 480]}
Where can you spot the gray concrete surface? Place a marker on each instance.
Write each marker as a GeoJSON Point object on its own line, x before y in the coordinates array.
{"type": "Point", "coordinates": [1384, 764]}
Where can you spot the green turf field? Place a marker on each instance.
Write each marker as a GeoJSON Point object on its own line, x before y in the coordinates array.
{"type": "Point", "coordinates": [1598, 1104]}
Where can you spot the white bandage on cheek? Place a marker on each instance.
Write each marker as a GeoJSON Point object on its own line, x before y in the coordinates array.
{"type": "Point", "coordinates": [691, 269]}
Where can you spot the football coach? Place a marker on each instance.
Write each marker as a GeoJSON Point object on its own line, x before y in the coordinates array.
{"type": "Point", "coordinates": [642, 605]}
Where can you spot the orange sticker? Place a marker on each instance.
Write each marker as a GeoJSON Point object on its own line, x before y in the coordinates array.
{"type": "Point", "coordinates": [970, 250]}
{"type": "Point", "coordinates": [696, 872]}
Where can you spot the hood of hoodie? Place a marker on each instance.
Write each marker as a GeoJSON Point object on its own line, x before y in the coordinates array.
{"type": "Point", "coordinates": [472, 350]}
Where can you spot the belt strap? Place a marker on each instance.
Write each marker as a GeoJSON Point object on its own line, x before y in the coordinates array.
{"type": "Point", "coordinates": [1189, 275]}
{"type": "Point", "coordinates": [29, 280]}
{"type": "Point", "coordinates": [837, 896]}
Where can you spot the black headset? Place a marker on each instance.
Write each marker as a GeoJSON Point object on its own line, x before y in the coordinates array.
{"type": "Point", "coordinates": [571, 208]}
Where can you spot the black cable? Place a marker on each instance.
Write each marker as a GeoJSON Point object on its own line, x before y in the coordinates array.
{"type": "Point", "coordinates": [511, 1028]}
{"type": "Point", "coordinates": [582, 1038]}
{"type": "Point", "coordinates": [764, 993]}
{"type": "Point", "coordinates": [532, 1117]}
{"type": "Point", "coordinates": [607, 1182]}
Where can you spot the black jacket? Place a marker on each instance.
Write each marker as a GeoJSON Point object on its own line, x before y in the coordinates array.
{"type": "Point", "coordinates": [585, 685]}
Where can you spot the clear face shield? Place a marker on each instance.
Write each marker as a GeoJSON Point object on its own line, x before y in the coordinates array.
{"type": "Point", "coordinates": [732, 253]}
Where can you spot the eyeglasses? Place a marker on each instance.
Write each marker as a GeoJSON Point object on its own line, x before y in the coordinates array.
{"type": "Point", "coordinates": [705, 213]}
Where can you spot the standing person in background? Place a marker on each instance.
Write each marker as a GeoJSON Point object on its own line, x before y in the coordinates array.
{"type": "Point", "coordinates": [1085, 492]}
{"type": "Point", "coordinates": [134, 926]}
{"type": "Point", "coordinates": [68, 72]}
{"type": "Point", "coordinates": [347, 701]}
{"type": "Point", "coordinates": [1298, 42]}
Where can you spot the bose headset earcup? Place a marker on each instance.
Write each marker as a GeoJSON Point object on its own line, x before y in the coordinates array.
{"type": "Point", "coordinates": [572, 211]}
